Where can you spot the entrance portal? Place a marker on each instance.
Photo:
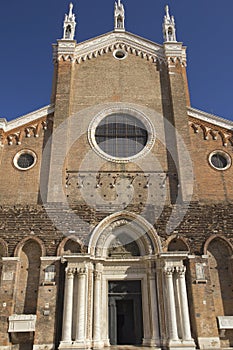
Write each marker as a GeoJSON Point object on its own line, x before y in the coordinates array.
{"type": "Point", "coordinates": [125, 312]}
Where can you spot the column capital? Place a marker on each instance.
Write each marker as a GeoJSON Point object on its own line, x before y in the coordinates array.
{"type": "Point", "coordinates": [181, 270]}
{"type": "Point", "coordinates": [82, 271]}
{"type": "Point", "coordinates": [70, 271]}
{"type": "Point", "coordinates": [97, 275]}
{"type": "Point", "coordinates": [169, 270]}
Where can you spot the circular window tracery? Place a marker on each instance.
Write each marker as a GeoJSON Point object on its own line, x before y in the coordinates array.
{"type": "Point", "coordinates": [220, 160]}
{"type": "Point", "coordinates": [121, 135]}
{"type": "Point", "coordinates": [25, 160]}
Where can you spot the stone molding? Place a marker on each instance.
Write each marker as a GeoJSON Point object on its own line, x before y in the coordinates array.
{"type": "Point", "coordinates": [121, 110]}
{"type": "Point", "coordinates": [31, 125]}
{"type": "Point", "coordinates": [22, 323]}
{"type": "Point", "coordinates": [175, 52]}
{"type": "Point", "coordinates": [211, 133]}
{"type": "Point", "coordinates": [210, 118]}
{"type": "Point", "coordinates": [108, 43]}
{"type": "Point", "coordinates": [26, 119]}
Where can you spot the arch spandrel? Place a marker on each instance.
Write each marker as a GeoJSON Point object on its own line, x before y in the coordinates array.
{"type": "Point", "coordinates": [132, 227]}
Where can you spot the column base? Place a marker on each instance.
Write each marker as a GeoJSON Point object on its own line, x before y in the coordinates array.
{"type": "Point", "coordinates": [44, 346]}
{"type": "Point", "coordinates": [74, 345]}
{"type": "Point", "coordinates": [67, 345]}
{"type": "Point", "coordinates": [98, 344]}
{"type": "Point", "coordinates": [209, 343]}
{"type": "Point", "coordinates": [181, 345]}
{"type": "Point", "coordinates": [155, 343]}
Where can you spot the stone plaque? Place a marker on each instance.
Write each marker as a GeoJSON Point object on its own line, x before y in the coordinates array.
{"type": "Point", "coordinates": [8, 276]}
{"type": "Point", "coordinates": [225, 322]}
{"type": "Point", "coordinates": [22, 323]}
{"type": "Point", "coordinates": [200, 273]}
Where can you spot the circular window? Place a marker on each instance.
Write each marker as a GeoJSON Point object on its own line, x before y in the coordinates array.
{"type": "Point", "coordinates": [119, 54]}
{"type": "Point", "coordinates": [121, 135]}
{"type": "Point", "coordinates": [220, 160]}
{"type": "Point", "coordinates": [24, 160]}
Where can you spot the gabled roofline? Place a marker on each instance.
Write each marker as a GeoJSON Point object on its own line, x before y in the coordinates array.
{"type": "Point", "coordinates": [25, 119]}
{"type": "Point", "coordinates": [210, 118]}
{"type": "Point", "coordinates": [150, 42]}
{"type": "Point", "coordinates": [107, 42]}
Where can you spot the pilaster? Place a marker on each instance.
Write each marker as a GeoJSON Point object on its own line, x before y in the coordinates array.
{"type": "Point", "coordinates": [204, 324]}
{"type": "Point", "coordinates": [47, 302]}
{"type": "Point", "coordinates": [8, 287]}
{"type": "Point", "coordinates": [175, 87]}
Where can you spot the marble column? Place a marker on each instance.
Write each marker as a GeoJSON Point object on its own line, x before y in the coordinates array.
{"type": "Point", "coordinates": [68, 305]}
{"type": "Point", "coordinates": [171, 308]}
{"type": "Point", "coordinates": [155, 336]}
{"type": "Point", "coordinates": [97, 310]}
{"type": "Point", "coordinates": [184, 310]}
{"type": "Point", "coordinates": [81, 306]}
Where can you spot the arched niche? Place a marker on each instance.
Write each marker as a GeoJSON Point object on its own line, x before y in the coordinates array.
{"type": "Point", "coordinates": [21, 244]}
{"type": "Point", "coordinates": [219, 253]}
{"type": "Point", "coordinates": [177, 244]}
{"type": "Point", "coordinates": [3, 248]}
{"type": "Point", "coordinates": [124, 234]}
{"type": "Point", "coordinates": [29, 252]}
{"type": "Point", "coordinates": [3, 253]}
{"type": "Point", "coordinates": [69, 246]}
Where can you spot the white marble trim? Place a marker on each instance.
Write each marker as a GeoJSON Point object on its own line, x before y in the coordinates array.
{"type": "Point", "coordinates": [25, 119]}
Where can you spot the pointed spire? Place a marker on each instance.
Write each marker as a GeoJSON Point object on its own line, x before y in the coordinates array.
{"type": "Point", "coordinates": [69, 24]}
{"type": "Point", "coordinates": [169, 28]}
{"type": "Point", "coordinates": [119, 16]}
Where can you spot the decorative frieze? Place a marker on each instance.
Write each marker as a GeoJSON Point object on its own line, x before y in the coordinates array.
{"type": "Point", "coordinates": [15, 137]}
{"type": "Point", "coordinates": [212, 132]}
{"type": "Point", "coordinates": [108, 43]}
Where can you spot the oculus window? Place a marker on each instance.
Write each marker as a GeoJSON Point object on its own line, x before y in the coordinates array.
{"type": "Point", "coordinates": [25, 160]}
{"type": "Point", "coordinates": [220, 160]}
{"type": "Point", "coordinates": [121, 135]}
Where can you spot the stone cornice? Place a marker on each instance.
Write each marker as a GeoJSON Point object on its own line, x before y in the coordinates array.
{"type": "Point", "coordinates": [26, 119]}
{"type": "Point", "coordinates": [26, 126]}
{"type": "Point", "coordinates": [107, 43]}
{"type": "Point", "coordinates": [211, 127]}
{"type": "Point", "coordinates": [175, 51]}
{"type": "Point", "coordinates": [210, 118]}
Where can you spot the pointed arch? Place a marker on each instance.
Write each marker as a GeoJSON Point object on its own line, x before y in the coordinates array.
{"type": "Point", "coordinates": [219, 252]}
{"type": "Point", "coordinates": [126, 226]}
{"type": "Point", "coordinates": [177, 243]}
{"type": "Point", "coordinates": [24, 240]}
{"type": "Point", "coordinates": [3, 253]}
{"type": "Point", "coordinates": [3, 248]}
{"type": "Point", "coordinates": [70, 245]}
{"type": "Point", "coordinates": [221, 238]}
{"type": "Point", "coordinates": [29, 251]}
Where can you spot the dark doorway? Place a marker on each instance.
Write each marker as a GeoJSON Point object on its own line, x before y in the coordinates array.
{"type": "Point", "coordinates": [125, 313]}
{"type": "Point", "coordinates": [125, 322]}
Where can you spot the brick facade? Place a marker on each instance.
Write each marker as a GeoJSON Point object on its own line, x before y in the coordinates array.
{"type": "Point", "coordinates": [51, 210]}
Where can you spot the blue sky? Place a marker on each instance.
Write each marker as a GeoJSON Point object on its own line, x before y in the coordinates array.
{"type": "Point", "coordinates": [28, 28]}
